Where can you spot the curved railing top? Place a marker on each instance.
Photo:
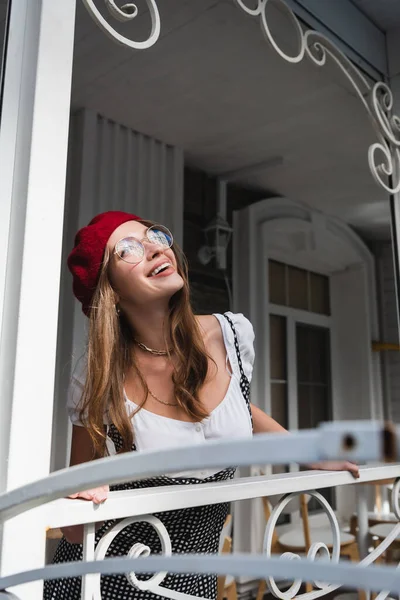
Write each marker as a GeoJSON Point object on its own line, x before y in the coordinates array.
{"type": "Point", "coordinates": [121, 504]}
{"type": "Point", "coordinates": [357, 441]}
{"type": "Point", "coordinates": [254, 567]}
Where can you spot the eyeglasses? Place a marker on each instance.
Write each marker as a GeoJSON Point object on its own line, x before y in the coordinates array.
{"type": "Point", "coordinates": [131, 250]}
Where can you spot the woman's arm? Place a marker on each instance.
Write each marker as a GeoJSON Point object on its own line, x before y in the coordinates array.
{"type": "Point", "coordinates": [81, 452]}
{"type": "Point", "coordinates": [262, 423]}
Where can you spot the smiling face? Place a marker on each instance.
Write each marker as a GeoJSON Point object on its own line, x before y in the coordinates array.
{"type": "Point", "coordinates": [155, 279]}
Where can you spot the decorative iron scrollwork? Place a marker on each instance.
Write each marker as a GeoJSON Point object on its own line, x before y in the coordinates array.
{"type": "Point", "coordinates": [384, 155]}
{"type": "Point", "coordinates": [124, 13]}
{"type": "Point", "coordinates": [313, 552]}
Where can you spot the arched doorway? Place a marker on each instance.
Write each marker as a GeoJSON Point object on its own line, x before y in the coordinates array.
{"type": "Point", "coordinates": [307, 283]}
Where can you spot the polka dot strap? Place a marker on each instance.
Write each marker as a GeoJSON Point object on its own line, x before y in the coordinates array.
{"type": "Point", "coordinates": [244, 382]}
{"type": "Point", "coordinates": [116, 438]}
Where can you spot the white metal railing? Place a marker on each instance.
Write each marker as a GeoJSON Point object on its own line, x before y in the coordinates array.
{"type": "Point", "coordinates": [122, 504]}
{"type": "Point", "coordinates": [362, 441]}
{"type": "Point", "coordinates": [138, 505]}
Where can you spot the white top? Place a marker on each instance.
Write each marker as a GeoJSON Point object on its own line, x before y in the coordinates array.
{"type": "Point", "coordinates": [230, 419]}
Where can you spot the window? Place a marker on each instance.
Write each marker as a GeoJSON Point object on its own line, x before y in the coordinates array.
{"type": "Point", "coordinates": [313, 375]}
{"type": "Point", "coordinates": [313, 385]}
{"type": "Point", "coordinates": [299, 336]}
{"type": "Point", "coordinates": [278, 368]}
{"type": "Point", "coordinates": [298, 288]}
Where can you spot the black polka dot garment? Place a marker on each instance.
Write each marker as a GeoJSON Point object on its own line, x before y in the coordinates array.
{"type": "Point", "coordinates": [192, 530]}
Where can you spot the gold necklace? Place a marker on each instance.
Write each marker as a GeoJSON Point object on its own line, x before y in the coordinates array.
{"type": "Point", "coordinates": [162, 401]}
{"type": "Point", "coordinates": [155, 352]}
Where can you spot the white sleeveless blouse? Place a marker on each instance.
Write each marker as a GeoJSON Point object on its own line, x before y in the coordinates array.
{"type": "Point", "coordinates": [230, 419]}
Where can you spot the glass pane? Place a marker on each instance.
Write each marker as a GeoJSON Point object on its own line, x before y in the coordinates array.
{"type": "Point", "coordinates": [277, 283]}
{"type": "Point", "coordinates": [298, 288]}
{"type": "Point", "coordinates": [313, 375]}
{"type": "Point", "coordinates": [319, 292]}
{"type": "Point", "coordinates": [318, 343]}
{"type": "Point", "coordinates": [279, 403]}
{"type": "Point", "coordinates": [313, 405]}
{"type": "Point", "coordinates": [313, 354]}
{"type": "Point", "coordinates": [304, 395]}
{"type": "Point", "coordinates": [320, 405]}
{"type": "Point", "coordinates": [303, 354]}
{"type": "Point", "coordinates": [277, 333]}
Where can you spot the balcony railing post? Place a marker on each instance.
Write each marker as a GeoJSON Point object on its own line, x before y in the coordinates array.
{"type": "Point", "coordinates": [88, 581]}
{"type": "Point", "coordinates": [362, 517]}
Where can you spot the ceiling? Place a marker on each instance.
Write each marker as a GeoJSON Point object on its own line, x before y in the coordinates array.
{"type": "Point", "coordinates": [384, 13]}
{"type": "Point", "coordinates": [212, 86]}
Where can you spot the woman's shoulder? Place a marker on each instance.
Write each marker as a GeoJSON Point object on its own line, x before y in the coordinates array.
{"type": "Point", "coordinates": [213, 325]}
{"type": "Point", "coordinates": [209, 327]}
{"type": "Point", "coordinates": [235, 333]}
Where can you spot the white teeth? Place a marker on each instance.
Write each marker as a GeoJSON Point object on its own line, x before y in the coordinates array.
{"type": "Point", "coordinates": [160, 268]}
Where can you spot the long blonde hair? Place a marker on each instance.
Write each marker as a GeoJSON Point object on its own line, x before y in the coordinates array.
{"type": "Point", "coordinates": [110, 356]}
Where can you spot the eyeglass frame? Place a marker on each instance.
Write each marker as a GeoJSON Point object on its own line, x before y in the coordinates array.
{"type": "Point", "coordinates": [144, 239]}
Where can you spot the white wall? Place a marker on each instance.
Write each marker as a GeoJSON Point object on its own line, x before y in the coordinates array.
{"type": "Point", "coordinates": [351, 345]}
{"type": "Point", "coordinates": [110, 168]}
{"type": "Point", "coordinates": [352, 369]}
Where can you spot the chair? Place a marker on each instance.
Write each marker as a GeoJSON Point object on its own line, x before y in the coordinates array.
{"type": "Point", "coordinates": [300, 538]}
{"type": "Point", "coordinates": [381, 513]}
{"type": "Point", "coordinates": [226, 586]}
{"type": "Point", "coordinates": [379, 532]}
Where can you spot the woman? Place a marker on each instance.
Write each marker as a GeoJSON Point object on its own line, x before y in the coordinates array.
{"type": "Point", "coordinates": [154, 376]}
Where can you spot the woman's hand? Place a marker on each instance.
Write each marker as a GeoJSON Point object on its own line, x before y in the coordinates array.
{"type": "Point", "coordinates": [74, 534]}
{"type": "Point", "coordinates": [262, 423]}
{"type": "Point", "coordinates": [344, 465]}
{"type": "Point", "coordinates": [97, 495]}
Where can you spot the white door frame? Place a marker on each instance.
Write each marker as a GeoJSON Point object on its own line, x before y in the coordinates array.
{"type": "Point", "coordinates": [250, 292]}
{"type": "Point", "coordinates": [293, 317]}
{"type": "Point", "coordinates": [33, 155]}
{"type": "Point", "coordinates": [251, 253]}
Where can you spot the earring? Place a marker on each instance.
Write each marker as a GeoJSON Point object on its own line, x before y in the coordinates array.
{"type": "Point", "coordinates": [117, 310]}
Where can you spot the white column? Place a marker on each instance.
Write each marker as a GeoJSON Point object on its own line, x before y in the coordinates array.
{"type": "Point", "coordinates": [80, 200]}
{"type": "Point", "coordinates": [33, 153]}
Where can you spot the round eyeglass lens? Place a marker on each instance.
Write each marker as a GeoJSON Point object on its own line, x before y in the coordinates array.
{"type": "Point", "coordinates": [130, 250]}
{"type": "Point", "coordinates": [160, 235]}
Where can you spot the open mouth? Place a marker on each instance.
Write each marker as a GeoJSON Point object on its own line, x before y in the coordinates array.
{"type": "Point", "coordinates": [161, 269]}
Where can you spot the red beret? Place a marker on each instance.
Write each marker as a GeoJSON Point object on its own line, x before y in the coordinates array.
{"type": "Point", "coordinates": [86, 258]}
